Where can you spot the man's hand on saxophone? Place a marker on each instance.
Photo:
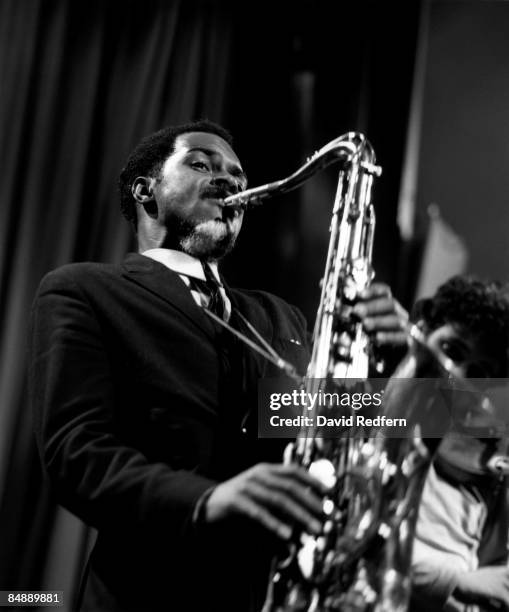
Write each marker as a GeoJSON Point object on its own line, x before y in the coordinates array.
{"type": "Point", "coordinates": [278, 497]}
{"type": "Point", "coordinates": [382, 315]}
{"type": "Point", "coordinates": [386, 322]}
{"type": "Point", "coordinates": [282, 498]}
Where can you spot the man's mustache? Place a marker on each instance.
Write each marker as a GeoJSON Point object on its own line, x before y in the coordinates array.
{"type": "Point", "coordinates": [219, 193]}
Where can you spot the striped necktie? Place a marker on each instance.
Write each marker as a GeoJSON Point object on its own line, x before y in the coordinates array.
{"type": "Point", "coordinates": [216, 302]}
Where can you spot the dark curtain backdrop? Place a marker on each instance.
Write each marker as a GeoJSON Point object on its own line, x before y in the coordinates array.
{"type": "Point", "coordinates": [83, 81]}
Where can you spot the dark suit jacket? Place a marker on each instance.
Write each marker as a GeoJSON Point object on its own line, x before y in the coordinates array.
{"type": "Point", "coordinates": [141, 405]}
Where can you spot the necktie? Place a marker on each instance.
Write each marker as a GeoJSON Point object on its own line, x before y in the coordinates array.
{"type": "Point", "coordinates": [216, 302]}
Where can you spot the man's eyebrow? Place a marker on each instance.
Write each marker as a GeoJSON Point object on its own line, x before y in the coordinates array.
{"type": "Point", "coordinates": [236, 170]}
{"type": "Point", "coordinates": [209, 152]}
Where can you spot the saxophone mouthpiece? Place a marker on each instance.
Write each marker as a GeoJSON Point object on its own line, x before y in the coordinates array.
{"type": "Point", "coordinates": [240, 201]}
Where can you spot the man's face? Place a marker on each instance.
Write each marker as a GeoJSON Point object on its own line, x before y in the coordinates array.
{"type": "Point", "coordinates": [470, 355]}
{"type": "Point", "coordinates": [189, 192]}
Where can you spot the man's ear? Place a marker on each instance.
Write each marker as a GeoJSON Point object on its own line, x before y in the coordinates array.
{"type": "Point", "coordinates": [143, 193]}
{"type": "Point", "coordinates": [142, 189]}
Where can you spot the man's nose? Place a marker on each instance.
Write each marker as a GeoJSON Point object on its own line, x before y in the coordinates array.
{"type": "Point", "coordinates": [460, 370]}
{"type": "Point", "coordinates": [227, 182]}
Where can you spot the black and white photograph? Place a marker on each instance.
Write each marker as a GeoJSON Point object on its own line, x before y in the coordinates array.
{"type": "Point", "coordinates": [254, 305]}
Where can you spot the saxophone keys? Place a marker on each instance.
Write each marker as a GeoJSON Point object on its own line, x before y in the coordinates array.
{"type": "Point", "coordinates": [328, 507]}
{"type": "Point", "coordinates": [324, 471]}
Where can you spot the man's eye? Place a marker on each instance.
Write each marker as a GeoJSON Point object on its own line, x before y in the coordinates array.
{"type": "Point", "coordinates": [200, 166]}
{"type": "Point", "coordinates": [452, 351]}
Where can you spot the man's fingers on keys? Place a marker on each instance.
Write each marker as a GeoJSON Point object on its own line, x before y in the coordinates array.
{"type": "Point", "coordinates": [283, 503]}
{"type": "Point", "coordinates": [253, 510]}
{"type": "Point", "coordinates": [379, 306]}
{"type": "Point", "coordinates": [390, 337]}
{"type": "Point", "coordinates": [390, 322]}
{"type": "Point", "coordinates": [302, 493]}
{"type": "Point", "coordinates": [375, 290]}
{"type": "Point", "coordinates": [302, 475]}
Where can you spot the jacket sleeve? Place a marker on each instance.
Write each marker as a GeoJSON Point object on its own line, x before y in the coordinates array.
{"type": "Point", "coordinates": [96, 476]}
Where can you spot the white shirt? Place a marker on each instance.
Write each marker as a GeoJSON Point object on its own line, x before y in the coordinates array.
{"type": "Point", "coordinates": [186, 266]}
{"type": "Point", "coordinates": [449, 529]}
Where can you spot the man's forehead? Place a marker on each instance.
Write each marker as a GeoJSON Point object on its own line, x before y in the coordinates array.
{"type": "Point", "coordinates": [473, 341]}
{"type": "Point", "coordinates": [207, 141]}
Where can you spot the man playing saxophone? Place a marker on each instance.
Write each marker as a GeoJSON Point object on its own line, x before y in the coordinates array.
{"type": "Point", "coordinates": [145, 407]}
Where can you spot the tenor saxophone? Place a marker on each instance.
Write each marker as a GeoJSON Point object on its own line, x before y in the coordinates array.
{"type": "Point", "coordinates": [360, 562]}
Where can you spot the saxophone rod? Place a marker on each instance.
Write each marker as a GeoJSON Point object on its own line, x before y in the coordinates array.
{"type": "Point", "coordinates": [342, 149]}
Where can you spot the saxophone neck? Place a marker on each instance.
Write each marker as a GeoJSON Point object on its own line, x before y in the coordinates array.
{"type": "Point", "coordinates": [351, 148]}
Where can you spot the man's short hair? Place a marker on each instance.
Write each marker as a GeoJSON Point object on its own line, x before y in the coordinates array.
{"type": "Point", "coordinates": [474, 305]}
{"type": "Point", "coordinates": [149, 155]}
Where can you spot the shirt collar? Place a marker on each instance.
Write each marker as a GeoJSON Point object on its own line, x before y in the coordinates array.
{"type": "Point", "coordinates": [182, 263]}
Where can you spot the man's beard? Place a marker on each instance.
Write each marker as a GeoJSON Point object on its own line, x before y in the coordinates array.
{"type": "Point", "coordinates": [208, 240]}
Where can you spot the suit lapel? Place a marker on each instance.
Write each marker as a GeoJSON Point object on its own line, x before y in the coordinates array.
{"type": "Point", "coordinates": [156, 278]}
{"type": "Point", "coordinates": [163, 282]}
{"type": "Point", "coordinates": [255, 365]}
{"type": "Point", "coordinates": [166, 284]}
